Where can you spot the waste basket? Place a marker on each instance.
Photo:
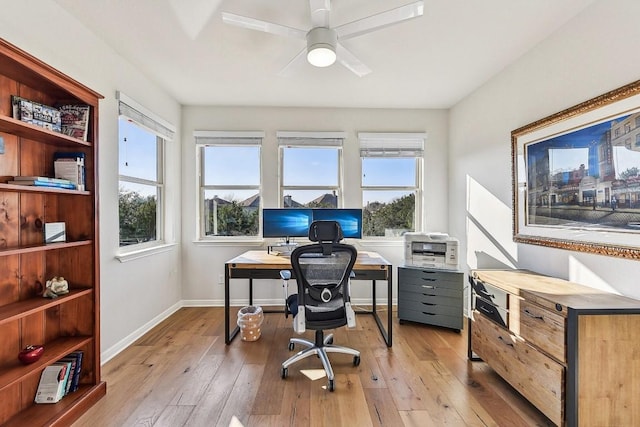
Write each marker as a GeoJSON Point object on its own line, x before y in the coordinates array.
{"type": "Point", "coordinates": [249, 320]}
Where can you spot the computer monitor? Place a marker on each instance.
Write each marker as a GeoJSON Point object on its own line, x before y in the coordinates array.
{"type": "Point", "coordinates": [350, 220]}
{"type": "Point", "coordinates": [286, 222]}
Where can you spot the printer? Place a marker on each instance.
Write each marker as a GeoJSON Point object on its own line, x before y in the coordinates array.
{"type": "Point", "coordinates": [433, 250]}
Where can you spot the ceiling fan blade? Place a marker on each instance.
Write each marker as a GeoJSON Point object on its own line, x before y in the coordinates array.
{"type": "Point", "coordinates": [320, 11]}
{"type": "Point", "coordinates": [288, 69]}
{"type": "Point", "coordinates": [350, 61]}
{"type": "Point", "coordinates": [258, 25]}
{"type": "Point", "coordinates": [380, 20]}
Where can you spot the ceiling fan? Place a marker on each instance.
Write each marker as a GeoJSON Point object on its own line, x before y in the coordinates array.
{"type": "Point", "coordinates": [323, 41]}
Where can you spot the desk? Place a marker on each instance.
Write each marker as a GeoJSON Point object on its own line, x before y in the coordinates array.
{"type": "Point", "coordinates": [261, 265]}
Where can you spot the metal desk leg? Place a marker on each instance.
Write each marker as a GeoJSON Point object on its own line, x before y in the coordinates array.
{"type": "Point", "coordinates": [389, 305]}
{"type": "Point", "coordinates": [228, 337]}
{"type": "Point", "coordinates": [386, 334]}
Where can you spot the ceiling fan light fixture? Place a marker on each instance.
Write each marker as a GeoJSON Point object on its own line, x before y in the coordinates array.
{"type": "Point", "coordinates": [321, 46]}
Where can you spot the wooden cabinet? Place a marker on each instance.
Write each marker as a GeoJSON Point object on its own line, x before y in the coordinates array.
{"type": "Point", "coordinates": [69, 322]}
{"type": "Point", "coordinates": [430, 296]}
{"type": "Point", "coordinates": [572, 351]}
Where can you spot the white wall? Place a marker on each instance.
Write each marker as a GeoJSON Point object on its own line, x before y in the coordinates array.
{"type": "Point", "coordinates": [592, 54]}
{"type": "Point", "coordinates": [133, 294]}
{"type": "Point", "coordinates": [203, 263]}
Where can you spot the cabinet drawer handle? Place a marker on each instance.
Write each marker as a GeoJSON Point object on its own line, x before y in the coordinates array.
{"type": "Point", "coordinates": [428, 303]}
{"type": "Point", "coordinates": [533, 316]}
{"type": "Point", "coordinates": [429, 295]}
{"type": "Point", "coordinates": [429, 314]}
{"type": "Point", "coordinates": [428, 280]}
{"type": "Point", "coordinates": [510, 344]}
{"type": "Point", "coordinates": [428, 286]}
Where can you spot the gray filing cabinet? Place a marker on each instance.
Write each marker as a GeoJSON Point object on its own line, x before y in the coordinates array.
{"type": "Point", "coordinates": [431, 296]}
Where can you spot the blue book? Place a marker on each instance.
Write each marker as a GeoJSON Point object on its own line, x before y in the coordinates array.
{"type": "Point", "coordinates": [75, 379]}
{"type": "Point", "coordinates": [39, 183]}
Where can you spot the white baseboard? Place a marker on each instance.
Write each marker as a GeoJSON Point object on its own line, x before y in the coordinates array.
{"type": "Point", "coordinates": [113, 351]}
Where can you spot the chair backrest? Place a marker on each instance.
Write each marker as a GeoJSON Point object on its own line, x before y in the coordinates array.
{"type": "Point", "coordinates": [322, 272]}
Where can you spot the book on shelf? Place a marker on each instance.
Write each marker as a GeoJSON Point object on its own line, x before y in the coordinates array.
{"type": "Point", "coordinates": [75, 363]}
{"type": "Point", "coordinates": [35, 113]}
{"type": "Point", "coordinates": [52, 385]}
{"type": "Point", "coordinates": [70, 166]}
{"type": "Point", "coordinates": [75, 120]}
{"type": "Point", "coordinates": [41, 178]}
{"type": "Point", "coordinates": [75, 377]}
{"type": "Point", "coordinates": [66, 184]}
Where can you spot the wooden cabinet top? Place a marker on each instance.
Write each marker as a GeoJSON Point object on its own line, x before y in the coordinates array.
{"type": "Point", "coordinates": [551, 291]}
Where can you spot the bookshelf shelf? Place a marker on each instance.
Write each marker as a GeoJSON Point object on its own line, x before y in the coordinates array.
{"type": "Point", "coordinates": [69, 322]}
{"type": "Point", "coordinates": [27, 130]}
{"type": "Point", "coordinates": [18, 310]}
{"type": "Point", "coordinates": [28, 188]}
{"type": "Point", "coordinates": [42, 247]}
{"type": "Point", "coordinates": [53, 351]}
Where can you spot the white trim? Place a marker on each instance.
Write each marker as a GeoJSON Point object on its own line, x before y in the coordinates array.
{"type": "Point", "coordinates": [127, 341]}
{"type": "Point", "coordinates": [121, 345]}
{"type": "Point", "coordinates": [227, 134]}
{"type": "Point", "coordinates": [144, 252]}
{"type": "Point", "coordinates": [234, 304]}
{"type": "Point", "coordinates": [229, 241]}
{"type": "Point", "coordinates": [392, 136]}
{"type": "Point", "coordinates": [312, 135]}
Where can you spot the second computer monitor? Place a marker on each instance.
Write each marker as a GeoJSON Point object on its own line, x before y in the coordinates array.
{"type": "Point", "coordinates": [350, 220]}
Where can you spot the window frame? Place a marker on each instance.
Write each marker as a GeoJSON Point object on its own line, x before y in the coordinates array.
{"type": "Point", "coordinates": [138, 115]}
{"type": "Point", "coordinates": [395, 146]}
{"type": "Point", "coordinates": [311, 140]}
{"type": "Point", "coordinates": [205, 139]}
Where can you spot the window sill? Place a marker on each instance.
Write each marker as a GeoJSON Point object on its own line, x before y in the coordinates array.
{"type": "Point", "coordinates": [233, 241]}
{"type": "Point", "coordinates": [144, 252]}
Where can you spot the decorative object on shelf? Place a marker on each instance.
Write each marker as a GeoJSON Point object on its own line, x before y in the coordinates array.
{"type": "Point", "coordinates": [54, 232]}
{"type": "Point", "coordinates": [575, 177]}
{"type": "Point", "coordinates": [56, 287]}
{"type": "Point", "coordinates": [30, 354]}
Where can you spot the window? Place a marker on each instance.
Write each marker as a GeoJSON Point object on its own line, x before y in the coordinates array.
{"type": "Point", "coordinates": [229, 202]}
{"type": "Point", "coordinates": [391, 182]}
{"type": "Point", "coordinates": [142, 138]}
{"type": "Point", "coordinates": [310, 169]}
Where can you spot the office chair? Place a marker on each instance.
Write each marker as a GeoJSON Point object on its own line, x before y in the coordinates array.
{"type": "Point", "coordinates": [322, 272]}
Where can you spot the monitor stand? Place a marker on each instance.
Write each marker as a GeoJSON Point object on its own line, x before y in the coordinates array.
{"type": "Point", "coordinates": [282, 248]}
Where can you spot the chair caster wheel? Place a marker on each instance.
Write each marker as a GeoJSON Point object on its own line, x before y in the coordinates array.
{"type": "Point", "coordinates": [332, 385]}
{"type": "Point", "coordinates": [284, 372]}
{"type": "Point", "coordinates": [356, 360]}
{"type": "Point", "coordinates": [291, 346]}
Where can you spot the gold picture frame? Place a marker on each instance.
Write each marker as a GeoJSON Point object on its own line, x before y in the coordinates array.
{"type": "Point", "coordinates": [576, 177]}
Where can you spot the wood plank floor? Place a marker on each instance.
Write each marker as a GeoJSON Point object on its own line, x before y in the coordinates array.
{"type": "Point", "coordinates": [182, 374]}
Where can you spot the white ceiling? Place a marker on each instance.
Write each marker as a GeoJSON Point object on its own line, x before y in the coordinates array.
{"type": "Point", "coordinates": [430, 62]}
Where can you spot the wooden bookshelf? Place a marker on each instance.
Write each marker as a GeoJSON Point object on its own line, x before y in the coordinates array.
{"type": "Point", "coordinates": [70, 322]}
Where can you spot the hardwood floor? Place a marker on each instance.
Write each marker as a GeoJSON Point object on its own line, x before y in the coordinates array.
{"type": "Point", "coordinates": [182, 374]}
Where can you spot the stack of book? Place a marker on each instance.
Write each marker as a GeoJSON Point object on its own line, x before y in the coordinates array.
{"type": "Point", "coordinates": [70, 166]}
{"type": "Point", "coordinates": [60, 378]}
{"type": "Point", "coordinates": [43, 181]}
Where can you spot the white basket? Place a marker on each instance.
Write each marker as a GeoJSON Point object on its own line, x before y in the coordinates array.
{"type": "Point", "coordinates": [249, 320]}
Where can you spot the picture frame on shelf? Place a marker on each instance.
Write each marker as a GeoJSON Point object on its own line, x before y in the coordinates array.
{"type": "Point", "coordinates": [576, 177]}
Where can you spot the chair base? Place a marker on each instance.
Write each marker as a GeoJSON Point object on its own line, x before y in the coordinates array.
{"type": "Point", "coordinates": [320, 348]}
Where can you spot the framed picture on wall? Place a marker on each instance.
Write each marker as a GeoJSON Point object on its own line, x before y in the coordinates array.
{"type": "Point", "coordinates": [576, 177]}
